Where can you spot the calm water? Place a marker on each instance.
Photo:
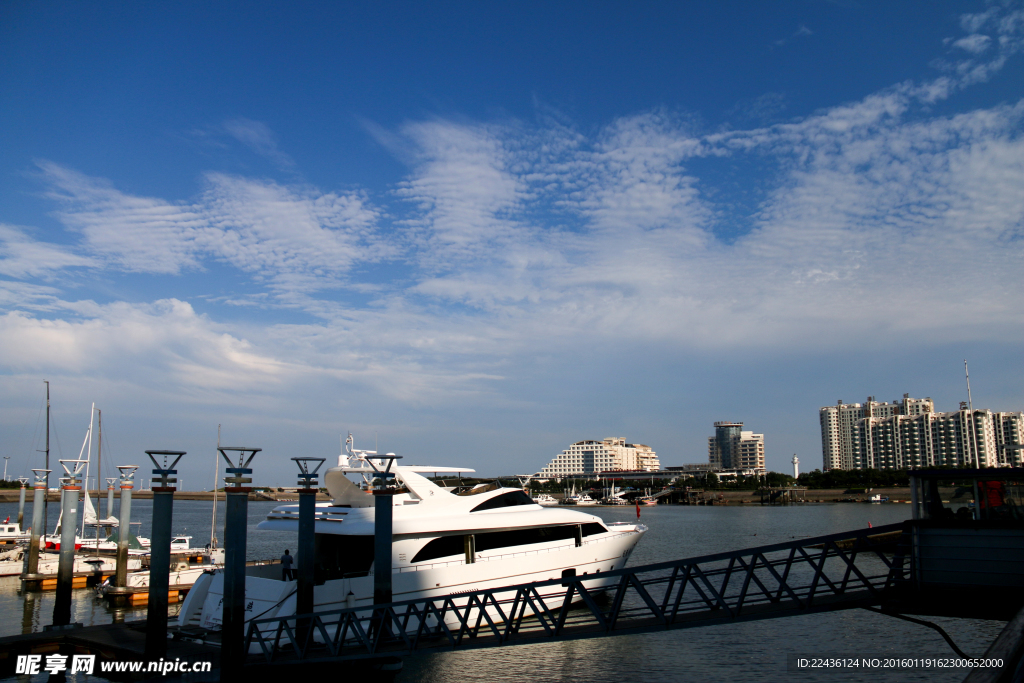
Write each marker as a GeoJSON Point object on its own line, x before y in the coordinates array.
{"type": "Point", "coordinates": [752, 651]}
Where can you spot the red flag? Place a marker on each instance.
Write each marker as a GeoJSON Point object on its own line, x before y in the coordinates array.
{"type": "Point", "coordinates": [869, 525]}
{"type": "Point", "coordinates": [638, 510]}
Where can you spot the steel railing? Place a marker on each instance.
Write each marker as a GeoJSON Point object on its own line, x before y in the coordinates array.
{"type": "Point", "coordinates": [838, 571]}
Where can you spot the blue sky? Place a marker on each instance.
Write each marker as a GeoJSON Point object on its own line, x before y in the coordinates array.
{"type": "Point", "coordinates": [478, 232]}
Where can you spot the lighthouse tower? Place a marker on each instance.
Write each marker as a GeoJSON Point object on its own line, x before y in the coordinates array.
{"type": "Point", "coordinates": [796, 467]}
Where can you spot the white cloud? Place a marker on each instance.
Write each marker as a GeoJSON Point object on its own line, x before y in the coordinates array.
{"type": "Point", "coordinates": [21, 256]}
{"type": "Point", "coordinates": [464, 188]}
{"type": "Point", "coordinates": [297, 238]}
{"type": "Point", "coordinates": [974, 43]}
{"type": "Point", "coordinates": [258, 137]}
{"type": "Point", "coordinates": [138, 344]}
{"type": "Point", "coordinates": [140, 234]}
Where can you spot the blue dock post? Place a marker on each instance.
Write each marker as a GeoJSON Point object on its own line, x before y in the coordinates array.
{"type": "Point", "coordinates": [160, 553]}
{"type": "Point", "coordinates": [232, 649]}
{"type": "Point", "coordinates": [68, 527]}
{"type": "Point", "coordinates": [38, 522]}
{"type": "Point", "coordinates": [305, 574]}
{"type": "Point", "coordinates": [21, 504]}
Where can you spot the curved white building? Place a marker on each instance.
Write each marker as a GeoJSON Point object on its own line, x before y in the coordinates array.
{"type": "Point", "coordinates": [612, 454]}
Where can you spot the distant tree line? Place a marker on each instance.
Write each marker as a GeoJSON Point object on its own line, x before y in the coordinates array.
{"type": "Point", "coordinates": [740, 483]}
{"type": "Point", "coordinates": [852, 479]}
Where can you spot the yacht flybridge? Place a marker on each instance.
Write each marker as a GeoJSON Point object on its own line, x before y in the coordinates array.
{"type": "Point", "coordinates": [443, 543]}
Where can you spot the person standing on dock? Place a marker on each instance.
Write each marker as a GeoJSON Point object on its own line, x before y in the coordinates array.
{"type": "Point", "coordinates": [286, 566]}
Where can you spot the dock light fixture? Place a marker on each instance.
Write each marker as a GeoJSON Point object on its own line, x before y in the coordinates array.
{"type": "Point", "coordinates": [307, 478]}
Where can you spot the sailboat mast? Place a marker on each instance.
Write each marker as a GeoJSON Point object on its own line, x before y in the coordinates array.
{"type": "Point", "coordinates": [88, 458]}
{"type": "Point", "coordinates": [46, 498]}
{"type": "Point", "coordinates": [99, 474]}
{"type": "Point", "coordinates": [99, 451]}
{"type": "Point", "coordinates": [216, 473]}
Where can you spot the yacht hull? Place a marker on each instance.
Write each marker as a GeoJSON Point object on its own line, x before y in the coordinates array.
{"type": "Point", "coordinates": [267, 596]}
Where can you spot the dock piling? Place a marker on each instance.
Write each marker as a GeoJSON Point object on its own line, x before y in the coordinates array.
{"type": "Point", "coordinates": [38, 506]}
{"type": "Point", "coordinates": [21, 503]}
{"type": "Point", "coordinates": [124, 531]}
{"type": "Point", "coordinates": [384, 491]}
{"type": "Point", "coordinates": [383, 499]}
{"type": "Point", "coordinates": [307, 539]}
{"type": "Point", "coordinates": [68, 526]}
{"type": "Point", "coordinates": [110, 496]}
{"type": "Point", "coordinates": [232, 652]}
{"type": "Point", "coordinates": [160, 553]}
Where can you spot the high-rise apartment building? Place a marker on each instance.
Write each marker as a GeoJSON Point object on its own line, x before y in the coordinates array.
{"type": "Point", "coordinates": [731, 448]}
{"type": "Point", "coordinates": [594, 457]}
{"type": "Point", "coordinates": [910, 434]}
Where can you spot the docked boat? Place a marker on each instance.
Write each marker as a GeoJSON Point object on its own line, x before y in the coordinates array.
{"type": "Point", "coordinates": [181, 575]}
{"type": "Point", "coordinates": [584, 499]}
{"type": "Point", "coordinates": [545, 499]}
{"type": "Point", "coordinates": [12, 565]}
{"type": "Point", "coordinates": [443, 543]}
{"type": "Point", "coordinates": [12, 534]}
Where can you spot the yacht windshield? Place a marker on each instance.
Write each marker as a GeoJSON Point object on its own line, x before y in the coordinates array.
{"type": "Point", "coordinates": [505, 500]}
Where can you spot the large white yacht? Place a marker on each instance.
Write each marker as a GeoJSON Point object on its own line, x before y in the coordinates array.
{"type": "Point", "coordinates": [443, 543]}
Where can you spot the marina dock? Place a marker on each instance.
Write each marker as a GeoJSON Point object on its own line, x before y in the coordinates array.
{"type": "Point", "coordinates": [894, 569]}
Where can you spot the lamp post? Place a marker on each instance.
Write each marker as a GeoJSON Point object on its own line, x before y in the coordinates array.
{"type": "Point", "coordinates": [160, 553]}
{"type": "Point", "coordinates": [233, 615]}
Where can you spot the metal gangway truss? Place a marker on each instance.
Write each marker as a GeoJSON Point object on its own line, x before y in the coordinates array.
{"type": "Point", "coordinates": [838, 571]}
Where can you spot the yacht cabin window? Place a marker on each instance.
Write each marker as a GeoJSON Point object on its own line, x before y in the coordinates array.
{"type": "Point", "coordinates": [447, 546]}
{"type": "Point", "coordinates": [340, 556]}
